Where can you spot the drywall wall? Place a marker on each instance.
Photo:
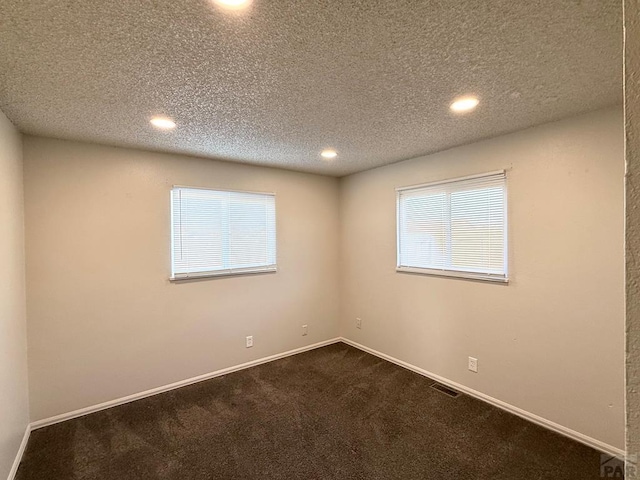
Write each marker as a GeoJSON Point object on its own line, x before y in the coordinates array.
{"type": "Point", "coordinates": [632, 121]}
{"type": "Point", "coordinates": [550, 342]}
{"type": "Point", "coordinates": [14, 402]}
{"type": "Point", "coordinates": [104, 320]}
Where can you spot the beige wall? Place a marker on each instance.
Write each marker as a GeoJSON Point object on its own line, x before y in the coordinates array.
{"type": "Point", "coordinates": [632, 114]}
{"type": "Point", "coordinates": [14, 403]}
{"type": "Point", "coordinates": [552, 341]}
{"type": "Point", "coordinates": [105, 322]}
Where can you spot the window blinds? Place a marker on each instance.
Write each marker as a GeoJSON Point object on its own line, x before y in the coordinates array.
{"type": "Point", "coordinates": [218, 232]}
{"type": "Point", "coordinates": [456, 227]}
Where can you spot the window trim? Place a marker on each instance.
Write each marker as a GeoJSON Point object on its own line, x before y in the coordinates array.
{"type": "Point", "coordinates": [182, 277]}
{"type": "Point", "coordinates": [485, 277]}
{"type": "Point", "coordinates": [459, 273]}
{"type": "Point", "coordinates": [222, 273]}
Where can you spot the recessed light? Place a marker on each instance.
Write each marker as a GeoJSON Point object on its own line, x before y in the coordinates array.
{"type": "Point", "coordinates": [465, 104]}
{"type": "Point", "coordinates": [163, 123]}
{"type": "Point", "coordinates": [233, 4]}
{"type": "Point", "coordinates": [329, 153]}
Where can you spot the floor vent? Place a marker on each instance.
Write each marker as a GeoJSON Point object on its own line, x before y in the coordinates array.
{"type": "Point", "coordinates": [446, 390]}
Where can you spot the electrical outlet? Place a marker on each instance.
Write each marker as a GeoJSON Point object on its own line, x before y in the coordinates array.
{"type": "Point", "coordinates": [473, 364]}
{"type": "Point", "coordinates": [358, 322]}
{"type": "Point", "coordinates": [250, 341]}
{"type": "Point", "coordinates": [305, 330]}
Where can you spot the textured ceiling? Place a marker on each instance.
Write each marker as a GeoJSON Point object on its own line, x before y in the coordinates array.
{"type": "Point", "coordinates": [278, 83]}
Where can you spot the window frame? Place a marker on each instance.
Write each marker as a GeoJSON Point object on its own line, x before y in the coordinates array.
{"type": "Point", "coordinates": [463, 274]}
{"type": "Point", "coordinates": [181, 277]}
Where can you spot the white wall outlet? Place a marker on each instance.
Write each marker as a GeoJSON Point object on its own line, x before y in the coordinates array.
{"type": "Point", "coordinates": [250, 341]}
{"type": "Point", "coordinates": [305, 330]}
{"type": "Point", "coordinates": [358, 322]}
{"type": "Point", "coordinates": [473, 364]}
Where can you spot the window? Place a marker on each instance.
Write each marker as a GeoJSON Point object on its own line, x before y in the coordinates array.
{"type": "Point", "coordinates": [454, 228]}
{"type": "Point", "coordinates": [218, 232]}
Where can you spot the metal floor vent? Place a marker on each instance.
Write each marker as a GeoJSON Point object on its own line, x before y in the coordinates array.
{"type": "Point", "coordinates": [446, 390]}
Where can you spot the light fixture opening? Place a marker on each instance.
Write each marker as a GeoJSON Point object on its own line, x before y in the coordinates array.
{"type": "Point", "coordinates": [329, 154]}
{"type": "Point", "coordinates": [232, 4]}
{"type": "Point", "coordinates": [464, 104]}
{"type": "Point", "coordinates": [163, 123]}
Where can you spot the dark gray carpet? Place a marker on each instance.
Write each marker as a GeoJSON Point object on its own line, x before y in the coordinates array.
{"type": "Point", "coordinates": [332, 413]}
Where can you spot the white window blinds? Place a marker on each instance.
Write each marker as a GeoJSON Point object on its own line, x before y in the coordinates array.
{"type": "Point", "coordinates": [218, 232]}
{"type": "Point", "coordinates": [456, 227]}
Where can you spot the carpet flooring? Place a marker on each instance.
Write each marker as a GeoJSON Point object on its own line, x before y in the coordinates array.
{"type": "Point", "coordinates": [331, 413]}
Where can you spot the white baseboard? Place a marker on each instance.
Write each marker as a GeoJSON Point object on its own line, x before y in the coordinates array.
{"type": "Point", "coordinates": [182, 383]}
{"type": "Point", "coordinates": [589, 441]}
{"type": "Point", "coordinates": [23, 446]}
{"type": "Point", "coordinates": [567, 432]}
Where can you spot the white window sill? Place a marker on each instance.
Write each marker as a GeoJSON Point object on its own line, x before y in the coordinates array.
{"type": "Point", "coordinates": [221, 273]}
{"type": "Point", "coordinates": [484, 277]}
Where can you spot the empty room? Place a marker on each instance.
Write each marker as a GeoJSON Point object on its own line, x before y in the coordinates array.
{"type": "Point", "coordinates": [254, 239]}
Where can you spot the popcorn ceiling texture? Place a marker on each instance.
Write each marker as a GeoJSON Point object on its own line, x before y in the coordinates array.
{"type": "Point", "coordinates": [280, 82]}
{"type": "Point", "coordinates": [632, 116]}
